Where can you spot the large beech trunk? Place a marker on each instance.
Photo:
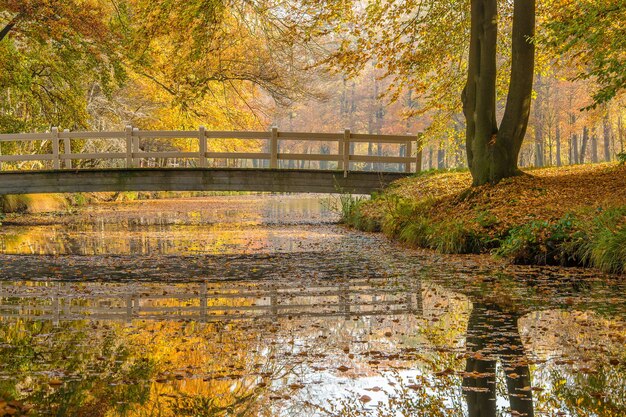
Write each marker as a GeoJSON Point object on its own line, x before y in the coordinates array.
{"type": "Point", "coordinates": [493, 334]}
{"type": "Point", "coordinates": [492, 152]}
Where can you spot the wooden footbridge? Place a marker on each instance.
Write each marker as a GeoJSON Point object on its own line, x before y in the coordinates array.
{"type": "Point", "coordinates": [136, 160]}
{"type": "Point", "coordinates": [205, 301]}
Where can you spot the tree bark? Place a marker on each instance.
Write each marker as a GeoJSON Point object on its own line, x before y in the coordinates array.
{"type": "Point", "coordinates": [594, 147]}
{"type": "Point", "coordinates": [492, 153]}
{"type": "Point", "coordinates": [539, 151]}
{"type": "Point", "coordinates": [583, 147]}
{"type": "Point", "coordinates": [441, 157]}
{"type": "Point", "coordinates": [9, 27]}
{"type": "Point", "coordinates": [606, 127]}
{"type": "Point", "coordinates": [620, 133]}
{"type": "Point", "coordinates": [574, 149]}
{"type": "Point", "coordinates": [538, 124]}
{"type": "Point", "coordinates": [558, 145]}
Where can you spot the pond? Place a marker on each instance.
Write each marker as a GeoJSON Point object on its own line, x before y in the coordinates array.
{"type": "Point", "coordinates": [262, 305]}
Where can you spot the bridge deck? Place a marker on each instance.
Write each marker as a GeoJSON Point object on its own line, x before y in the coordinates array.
{"type": "Point", "coordinates": [194, 179]}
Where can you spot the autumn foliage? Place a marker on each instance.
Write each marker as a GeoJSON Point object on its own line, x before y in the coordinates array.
{"type": "Point", "coordinates": [560, 214]}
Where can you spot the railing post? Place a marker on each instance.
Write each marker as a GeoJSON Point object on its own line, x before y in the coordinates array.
{"type": "Point", "coordinates": [202, 161]}
{"type": "Point", "coordinates": [55, 148]}
{"type": "Point", "coordinates": [129, 146]}
{"type": "Point", "coordinates": [418, 159]}
{"type": "Point", "coordinates": [408, 153]}
{"type": "Point", "coordinates": [67, 150]}
{"type": "Point", "coordinates": [135, 152]}
{"type": "Point", "coordinates": [346, 152]}
{"type": "Point", "coordinates": [274, 148]}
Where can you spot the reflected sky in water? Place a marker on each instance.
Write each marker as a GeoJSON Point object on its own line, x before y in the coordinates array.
{"type": "Point", "coordinates": [262, 305]}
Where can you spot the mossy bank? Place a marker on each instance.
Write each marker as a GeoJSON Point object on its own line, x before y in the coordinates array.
{"type": "Point", "coordinates": [570, 216]}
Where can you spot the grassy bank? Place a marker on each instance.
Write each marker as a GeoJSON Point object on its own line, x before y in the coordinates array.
{"type": "Point", "coordinates": [554, 216]}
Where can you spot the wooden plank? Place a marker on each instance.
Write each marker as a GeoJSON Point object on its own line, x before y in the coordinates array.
{"type": "Point", "coordinates": [143, 155]}
{"type": "Point", "coordinates": [274, 148]}
{"type": "Point", "coordinates": [308, 157]}
{"type": "Point", "coordinates": [54, 133]}
{"type": "Point", "coordinates": [318, 137]}
{"type": "Point", "coordinates": [202, 161]}
{"type": "Point", "coordinates": [346, 152]}
{"type": "Point", "coordinates": [192, 180]}
{"type": "Point", "coordinates": [135, 149]}
{"type": "Point", "coordinates": [67, 149]}
{"type": "Point", "coordinates": [129, 146]}
{"type": "Point", "coordinates": [112, 155]}
{"type": "Point", "coordinates": [238, 135]}
{"type": "Point", "coordinates": [165, 134]}
{"type": "Point", "coordinates": [360, 137]}
{"type": "Point", "coordinates": [237, 155]}
{"type": "Point", "coordinates": [25, 137]}
{"type": "Point", "coordinates": [384, 159]}
{"type": "Point", "coordinates": [92, 135]}
{"type": "Point", "coordinates": [24, 158]}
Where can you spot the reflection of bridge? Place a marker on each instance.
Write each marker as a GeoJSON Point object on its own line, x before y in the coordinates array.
{"type": "Point", "coordinates": [205, 302]}
{"type": "Point", "coordinates": [134, 160]}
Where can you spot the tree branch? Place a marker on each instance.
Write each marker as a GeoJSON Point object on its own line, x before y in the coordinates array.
{"type": "Point", "coordinates": [9, 27]}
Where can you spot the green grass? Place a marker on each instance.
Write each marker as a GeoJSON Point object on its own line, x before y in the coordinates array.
{"type": "Point", "coordinates": [583, 239]}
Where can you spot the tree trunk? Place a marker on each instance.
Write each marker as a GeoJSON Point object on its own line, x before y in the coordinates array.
{"type": "Point", "coordinates": [583, 147]}
{"type": "Point", "coordinates": [574, 149]}
{"type": "Point", "coordinates": [441, 158]}
{"type": "Point", "coordinates": [539, 152]}
{"type": "Point", "coordinates": [606, 131]}
{"type": "Point", "coordinates": [492, 153]}
{"type": "Point", "coordinates": [620, 132]}
{"type": "Point", "coordinates": [594, 147]}
{"type": "Point", "coordinates": [558, 146]}
{"type": "Point", "coordinates": [538, 122]}
{"type": "Point", "coordinates": [431, 164]}
{"type": "Point", "coordinates": [9, 27]}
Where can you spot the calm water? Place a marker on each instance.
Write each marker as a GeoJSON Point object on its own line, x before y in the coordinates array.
{"type": "Point", "coordinates": [263, 306]}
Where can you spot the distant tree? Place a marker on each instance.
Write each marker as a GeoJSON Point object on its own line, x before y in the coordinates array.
{"type": "Point", "coordinates": [594, 32]}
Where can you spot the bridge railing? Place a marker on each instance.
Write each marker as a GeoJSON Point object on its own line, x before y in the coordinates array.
{"type": "Point", "coordinates": [127, 151]}
{"type": "Point", "coordinates": [208, 302]}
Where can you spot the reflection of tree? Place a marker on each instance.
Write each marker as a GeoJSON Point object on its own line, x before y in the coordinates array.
{"type": "Point", "coordinates": [95, 369]}
{"type": "Point", "coordinates": [493, 334]}
{"type": "Point", "coordinates": [600, 393]}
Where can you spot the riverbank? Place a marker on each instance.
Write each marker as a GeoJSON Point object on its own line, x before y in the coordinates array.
{"type": "Point", "coordinates": [569, 216]}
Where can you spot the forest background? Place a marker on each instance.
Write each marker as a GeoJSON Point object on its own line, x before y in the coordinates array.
{"type": "Point", "coordinates": [381, 66]}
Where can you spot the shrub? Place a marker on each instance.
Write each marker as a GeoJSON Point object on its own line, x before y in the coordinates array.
{"type": "Point", "coordinates": [453, 236]}
{"type": "Point", "coordinates": [398, 213]}
{"type": "Point", "coordinates": [417, 233]}
{"type": "Point", "coordinates": [605, 243]}
{"type": "Point", "coordinates": [349, 208]}
{"type": "Point", "coordinates": [544, 243]}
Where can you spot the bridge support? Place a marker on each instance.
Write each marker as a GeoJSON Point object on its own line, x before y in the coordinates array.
{"type": "Point", "coordinates": [194, 179]}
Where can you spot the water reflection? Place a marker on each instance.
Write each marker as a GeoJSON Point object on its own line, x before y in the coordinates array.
{"type": "Point", "coordinates": [492, 335]}
{"type": "Point", "coordinates": [220, 225]}
{"type": "Point", "coordinates": [193, 314]}
{"type": "Point", "coordinates": [253, 348]}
